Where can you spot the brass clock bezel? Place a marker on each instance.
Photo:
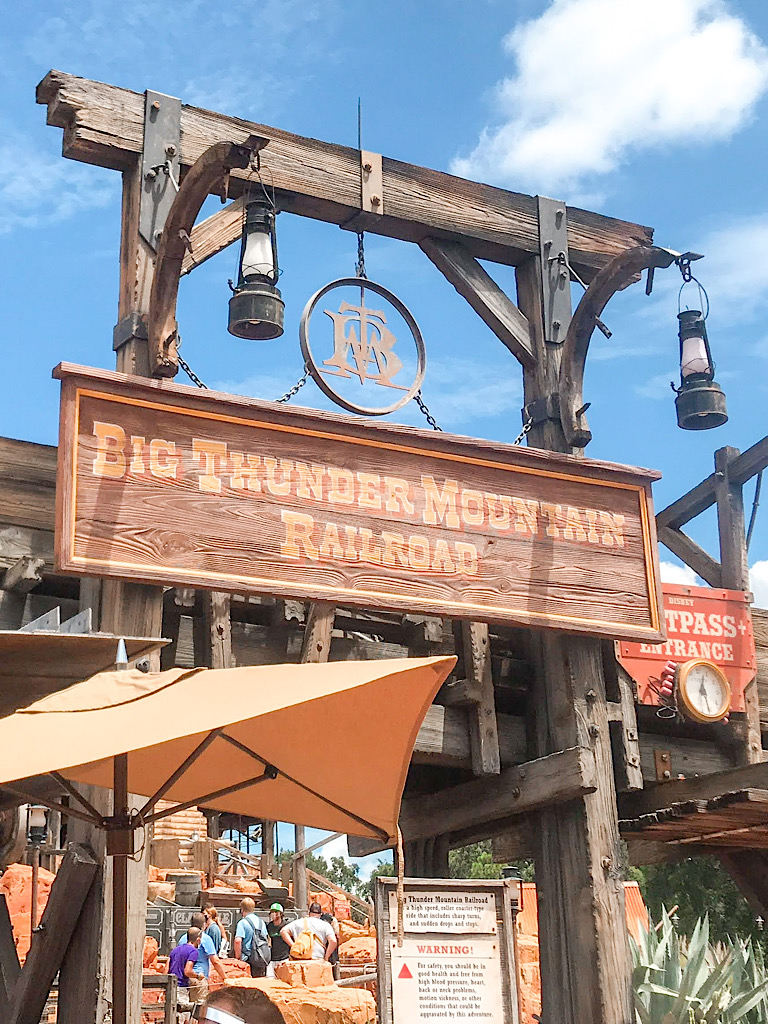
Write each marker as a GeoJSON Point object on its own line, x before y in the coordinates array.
{"type": "Point", "coordinates": [688, 707]}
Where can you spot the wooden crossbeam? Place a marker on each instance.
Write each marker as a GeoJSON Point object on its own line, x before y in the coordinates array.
{"type": "Point", "coordinates": [50, 941]}
{"type": "Point", "coordinates": [556, 778]}
{"type": "Point", "coordinates": [490, 303]}
{"type": "Point", "coordinates": [702, 563]}
{"type": "Point", "coordinates": [214, 234]}
{"type": "Point", "coordinates": [702, 787]}
{"type": "Point", "coordinates": [104, 124]}
{"type": "Point", "coordinates": [704, 494]}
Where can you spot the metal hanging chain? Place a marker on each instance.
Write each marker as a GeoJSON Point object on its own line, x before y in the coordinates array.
{"type": "Point", "coordinates": [191, 373]}
{"type": "Point", "coordinates": [296, 387]}
{"type": "Point", "coordinates": [562, 259]}
{"type": "Point", "coordinates": [360, 265]}
{"type": "Point", "coordinates": [425, 410]}
{"type": "Point", "coordinates": [524, 432]}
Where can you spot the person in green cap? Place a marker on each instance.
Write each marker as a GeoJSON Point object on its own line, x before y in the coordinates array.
{"type": "Point", "coordinates": [280, 948]}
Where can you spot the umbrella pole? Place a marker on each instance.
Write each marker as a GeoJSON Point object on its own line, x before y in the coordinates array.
{"type": "Point", "coordinates": [120, 902]}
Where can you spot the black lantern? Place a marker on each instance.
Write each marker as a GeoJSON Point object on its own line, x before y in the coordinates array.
{"type": "Point", "coordinates": [256, 309]}
{"type": "Point", "coordinates": [700, 400]}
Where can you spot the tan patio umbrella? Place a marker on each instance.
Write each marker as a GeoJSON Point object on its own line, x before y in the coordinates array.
{"type": "Point", "coordinates": [326, 745]}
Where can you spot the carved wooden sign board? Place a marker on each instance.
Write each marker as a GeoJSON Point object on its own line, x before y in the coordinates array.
{"type": "Point", "coordinates": [162, 483]}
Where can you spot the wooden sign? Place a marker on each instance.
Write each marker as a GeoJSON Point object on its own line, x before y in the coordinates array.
{"type": "Point", "coordinates": [167, 484]}
{"type": "Point", "coordinates": [456, 959]}
{"type": "Point", "coordinates": [702, 622]}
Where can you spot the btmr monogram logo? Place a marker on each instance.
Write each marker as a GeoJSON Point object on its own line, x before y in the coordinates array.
{"type": "Point", "coordinates": [361, 347]}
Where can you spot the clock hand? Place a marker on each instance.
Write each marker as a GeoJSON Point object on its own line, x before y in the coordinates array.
{"type": "Point", "coordinates": [703, 693]}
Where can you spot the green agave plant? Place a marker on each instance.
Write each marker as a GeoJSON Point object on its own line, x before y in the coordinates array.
{"type": "Point", "coordinates": [679, 982]}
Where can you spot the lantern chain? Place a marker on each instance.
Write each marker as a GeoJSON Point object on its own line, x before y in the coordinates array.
{"type": "Point", "coordinates": [296, 387]}
{"type": "Point", "coordinates": [360, 265]}
{"type": "Point", "coordinates": [524, 432]}
{"type": "Point", "coordinates": [425, 410]}
{"type": "Point", "coordinates": [191, 373]}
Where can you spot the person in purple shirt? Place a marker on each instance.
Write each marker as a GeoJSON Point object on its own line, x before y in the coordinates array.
{"type": "Point", "coordinates": [183, 961]}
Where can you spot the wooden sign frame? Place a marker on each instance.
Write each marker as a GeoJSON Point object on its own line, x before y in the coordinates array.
{"type": "Point", "coordinates": [500, 895]}
{"type": "Point", "coordinates": [166, 484]}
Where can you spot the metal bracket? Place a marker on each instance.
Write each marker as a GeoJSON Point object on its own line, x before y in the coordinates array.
{"type": "Point", "coordinates": [662, 760]}
{"type": "Point", "coordinates": [555, 278]}
{"type": "Point", "coordinates": [372, 182]}
{"type": "Point", "coordinates": [541, 410]}
{"type": "Point", "coordinates": [160, 162]}
{"type": "Point", "coordinates": [128, 329]}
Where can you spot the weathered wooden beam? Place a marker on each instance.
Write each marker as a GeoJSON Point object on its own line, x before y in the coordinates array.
{"type": "Point", "coordinates": [104, 124]}
{"type": "Point", "coordinates": [702, 563]}
{"type": "Point", "coordinates": [444, 738]}
{"type": "Point", "coordinates": [213, 631]}
{"type": "Point", "coordinates": [556, 778]}
{"type": "Point", "coordinates": [490, 303]}
{"type": "Point", "coordinates": [749, 870]}
{"type": "Point", "coordinates": [214, 234]}
{"type": "Point", "coordinates": [24, 575]}
{"type": "Point", "coordinates": [702, 787]}
{"type": "Point", "coordinates": [50, 941]}
{"type": "Point", "coordinates": [483, 730]}
{"type": "Point", "coordinates": [735, 576]}
{"type": "Point", "coordinates": [10, 969]}
{"type": "Point", "coordinates": [625, 736]}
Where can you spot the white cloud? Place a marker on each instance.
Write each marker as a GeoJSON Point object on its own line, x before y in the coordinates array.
{"type": "Point", "coordinates": [594, 80]}
{"type": "Point", "coordinates": [758, 581]}
{"type": "Point", "coordinates": [657, 387]}
{"type": "Point", "coordinates": [37, 188]}
{"type": "Point", "coordinates": [682, 574]}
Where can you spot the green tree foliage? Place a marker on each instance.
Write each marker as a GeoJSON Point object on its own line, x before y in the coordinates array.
{"type": "Point", "coordinates": [699, 886]}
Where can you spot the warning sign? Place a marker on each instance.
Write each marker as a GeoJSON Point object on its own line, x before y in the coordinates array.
{"type": "Point", "coordinates": [456, 958]}
{"type": "Point", "coordinates": [446, 912]}
{"type": "Point", "coordinates": [446, 981]}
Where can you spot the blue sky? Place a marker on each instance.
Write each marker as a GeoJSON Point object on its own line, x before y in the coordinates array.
{"type": "Point", "coordinates": [655, 112]}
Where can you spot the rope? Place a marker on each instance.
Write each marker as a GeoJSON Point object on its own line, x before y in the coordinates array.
{"type": "Point", "coordinates": [400, 887]}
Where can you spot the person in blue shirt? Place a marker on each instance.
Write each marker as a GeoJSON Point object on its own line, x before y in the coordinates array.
{"type": "Point", "coordinates": [206, 953]}
{"type": "Point", "coordinates": [247, 927]}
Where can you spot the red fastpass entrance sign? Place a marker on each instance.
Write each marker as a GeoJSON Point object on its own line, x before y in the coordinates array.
{"type": "Point", "coordinates": [702, 622]}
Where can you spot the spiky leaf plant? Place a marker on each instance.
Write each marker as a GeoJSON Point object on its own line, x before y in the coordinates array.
{"type": "Point", "coordinates": [679, 982]}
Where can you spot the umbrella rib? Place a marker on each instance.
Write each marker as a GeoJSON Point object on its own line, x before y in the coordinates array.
{"type": "Point", "coordinates": [67, 785]}
{"type": "Point", "coordinates": [73, 812]}
{"type": "Point", "coordinates": [326, 800]}
{"type": "Point", "coordinates": [268, 774]}
{"type": "Point", "coordinates": [183, 767]}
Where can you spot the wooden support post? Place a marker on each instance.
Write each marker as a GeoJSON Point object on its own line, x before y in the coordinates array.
{"type": "Point", "coordinates": [315, 647]}
{"type": "Point", "coordinates": [268, 845]}
{"type": "Point", "coordinates": [483, 730]}
{"type": "Point", "coordinates": [10, 968]}
{"type": "Point", "coordinates": [212, 631]}
{"type": "Point", "coordinates": [49, 943]}
{"type": "Point", "coordinates": [735, 576]}
{"type": "Point", "coordinates": [120, 995]}
{"type": "Point", "coordinates": [585, 966]}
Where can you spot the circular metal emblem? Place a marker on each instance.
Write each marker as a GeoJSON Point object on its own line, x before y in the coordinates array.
{"type": "Point", "coordinates": [357, 346]}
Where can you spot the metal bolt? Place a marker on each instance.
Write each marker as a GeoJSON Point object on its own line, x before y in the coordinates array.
{"type": "Point", "coordinates": [594, 731]}
{"type": "Point", "coordinates": [556, 324]}
{"type": "Point", "coordinates": [667, 774]}
{"type": "Point", "coordinates": [170, 150]}
{"type": "Point", "coordinates": [156, 105]}
{"type": "Point", "coordinates": [605, 862]}
{"type": "Point", "coordinates": [516, 792]}
{"type": "Point", "coordinates": [375, 200]}
{"type": "Point", "coordinates": [665, 757]}
{"type": "Point", "coordinates": [151, 174]}
{"type": "Point", "coordinates": [590, 694]}
{"type": "Point", "coordinates": [368, 167]}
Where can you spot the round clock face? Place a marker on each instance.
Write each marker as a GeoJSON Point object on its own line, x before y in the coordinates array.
{"type": "Point", "coordinates": [704, 691]}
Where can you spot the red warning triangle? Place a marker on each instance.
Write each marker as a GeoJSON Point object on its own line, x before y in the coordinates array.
{"type": "Point", "coordinates": [404, 972]}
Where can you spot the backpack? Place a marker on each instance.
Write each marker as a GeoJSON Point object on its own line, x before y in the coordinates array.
{"type": "Point", "coordinates": [302, 947]}
{"type": "Point", "coordinates": [261, 952]}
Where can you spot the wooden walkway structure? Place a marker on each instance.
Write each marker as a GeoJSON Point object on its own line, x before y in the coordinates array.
{"type": "Point", "coordinates": [536, 741]}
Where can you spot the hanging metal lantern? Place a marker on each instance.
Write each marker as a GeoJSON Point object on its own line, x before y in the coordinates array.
{"type": "Point", "coordinates": [700, 400]}
{"type": "Point", "coordinates": [256, 309]}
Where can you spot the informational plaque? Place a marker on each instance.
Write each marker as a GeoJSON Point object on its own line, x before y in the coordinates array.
{"type": "Point", "coordinates": [166, 484]}
{"type": "Point", "coordinates": [455, 960]}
